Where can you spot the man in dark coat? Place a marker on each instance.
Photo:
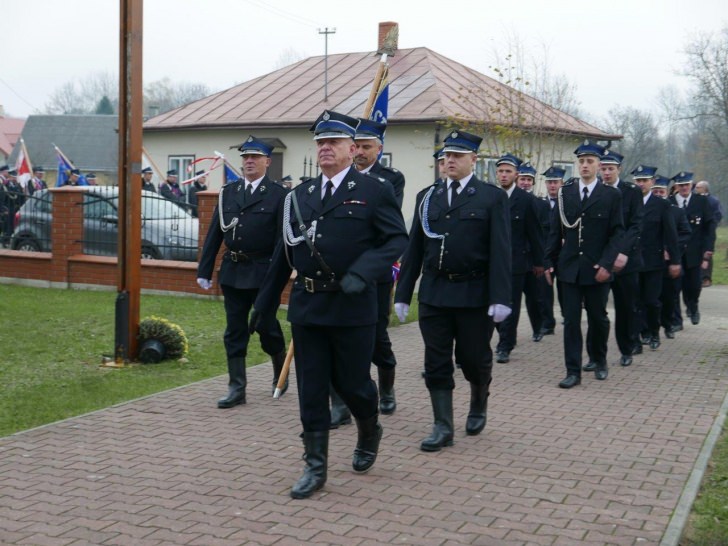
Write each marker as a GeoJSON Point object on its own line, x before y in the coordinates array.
{"type": "Point", "coordinates": [147, 183]}
{"type": "Point", "coordinates": [625, 283]}
{"type": "Point", "coordinates": [701, 245]}
{"type": "Point", "coordinates": [659, 238]}
{"type": "Point", "coordinates": [200, 184]}
{"type": "Point", "coordinates": [583, 246]}
{"type": "Point", "coordinates": [526, 249]}
{"type": "Point", "coordinates": [37, 183]}
{"type": "Point", "coordinates": [343, 232]}
{"type": "Point", "coordinates": [170, 189]}
{"type": "Point", "coordinates": [460, 245]}
{"type": "Point", "coordinates": [554, 179]}
{"type": "Point", "coordinates": [248, 220]}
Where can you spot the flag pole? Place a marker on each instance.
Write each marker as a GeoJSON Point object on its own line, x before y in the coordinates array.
{"type": "Point", "coordinates": [27, 156]}
{"type": "Point", "coordinates": [154, 165]}
{"type": "Point", "coordinates": [58, 150]}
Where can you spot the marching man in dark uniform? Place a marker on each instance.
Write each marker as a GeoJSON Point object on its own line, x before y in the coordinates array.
{"type": "Point", "coordinates": [526, 249]}
{"type": "Point", "coordinates": [460, 244]}
{"type": "Point", "coordinates": [247, 219]}
{"type": "Point", "coordinates": [147, 183]}
{"type": "Point", "coordinates": [554, 179]}
{"type": "Point", "coordinates": [342, 232]}
{"type": "Point", "coordinates": [583, 245]}
{"type": "Point", "coordinates": [701, 245]}
{"type": "Point", "coordinates": [659, 238]}
{"type": "Point", "coordinates": [670, 283]}
{"type": "Point", "coordinates": [368, 139]}
{"type": "Point", "coordinates": [625, 283]}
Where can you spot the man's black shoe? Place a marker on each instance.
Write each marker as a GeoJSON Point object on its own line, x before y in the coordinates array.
{"type": "Point", "coordinates": [547, 331]}
{"type": "Point", "coordinates": [637, 350]}
{"type": "Point", "coordinates": [669, 333]}
{"type": "Point", "coordinates": [502, 356]}
{"type": "Point", "coordinates": [601, 372]}
{"type": "Point", "coordinates": [570, 381]}
{"type": "Point", "coordinates": [537, 336]}
{"type": "Point", "coordinates": [695, 318]}
{"type": "Point", "coordinates": [677, 328]}
{"type": "Point", "coordinates": [625, 360]}
{"type": "Point", "coordinates": [589, 366]}
{"type": "Point", "coordinates": [654, 343]}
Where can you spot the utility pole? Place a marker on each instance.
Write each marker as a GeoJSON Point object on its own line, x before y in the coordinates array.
{"type": "Point", "coordinates": [326, 33]}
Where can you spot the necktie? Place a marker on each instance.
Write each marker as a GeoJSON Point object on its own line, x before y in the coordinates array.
{"type": "Point", "coordinates": [454, 190]}
{"type": "Point", "coordinates": [327, 192]}
{"type": "Point", "coordinates": [585, 193]}
{"type": "Point", "coordinates": [553, 202]}
{"type": "Point", "coordinates": [685, 203]}
{"type": "Point", "coordinates": [248, 191]}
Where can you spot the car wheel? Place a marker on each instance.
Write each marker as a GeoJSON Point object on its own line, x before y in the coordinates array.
{"type": "Point", "coordinates": [27, 244]}
{"type": "Point", "coordinates": [150, 253]}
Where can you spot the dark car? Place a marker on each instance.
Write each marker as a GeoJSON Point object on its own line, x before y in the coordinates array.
{"type": "Point", "coordinates": [169, 232]}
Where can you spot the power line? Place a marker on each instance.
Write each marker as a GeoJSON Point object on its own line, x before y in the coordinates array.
{"type": "Point", "coordinates": [6, 84]}
{"type": "Point", "coordinates": [290, 16]}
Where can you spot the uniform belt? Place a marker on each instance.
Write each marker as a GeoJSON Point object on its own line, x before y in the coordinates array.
{"type": "Point", "coordinates": [457, 277]}
{"type": "Point", "coordinates": [315, 285]}
{"type": "Point", "coordinates": [244, 256]}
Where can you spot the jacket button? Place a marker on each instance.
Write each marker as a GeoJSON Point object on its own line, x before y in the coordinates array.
{"type": "Point", "coordinates": [321, 217]}
{"type": "Point", "coordinates": [447, 216]}
{"type": "Point", "coordinates": [318, 236]}
{"type": "Point", "coordinates": [318, 273]}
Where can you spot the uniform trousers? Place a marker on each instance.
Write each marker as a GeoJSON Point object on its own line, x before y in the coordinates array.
{"type": "Point", "coordinates": [383, 355]}
{"type": "Point", "coordinates": [508, 328]}
{"type": "Point", "coordinates": [692, 285]}
{"type": "Point", "coordinates": [547, 302]}
{"type": "Point", "coordinates": [626, 292]}
{"type": "Point", "coordinates": [594, 298]}
{"type": "Point", "coordinates": [650, 292]}
{"type": "Point", "coordinates": [534, 304]}
{"type": "Point", "coordinates": [238, 302]}
{"type": "Point", "coordinates": [336, 355]}
{"type": "Point", "coordinates": [469, 330]}
{"type": "Point", "coordinates": [668, 296]}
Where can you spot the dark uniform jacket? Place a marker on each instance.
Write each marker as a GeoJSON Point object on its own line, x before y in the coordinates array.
{"type": "Point", "coordinates": [360, 230]}
{"type": "Point", "coordinates": [393, 176]}
{"type": "Point", "coordinates": [601, 233]}
{"type": "Point", "coordinates": [683, 229]}
{"type": "Point", "coordinates": [702, 237]}
{"type": "Point", "coordinates": [169, 191]}
{"type": "Point", "coordinates": [476, 262]}
{"type": "Point", "coordinates": [632, 217]}
{"type": "Point", "coordinates": [148, 186]}
{"type": "Point", "coordinates": [255, 236]}
{"type": "Point", "coordinates": [527, 241]}
{"type": "Point", "coordinates": [659, 233]}
{"type": "Point", "coordinates": [192, 196]}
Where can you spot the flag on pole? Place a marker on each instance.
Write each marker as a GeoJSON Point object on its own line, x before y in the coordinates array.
{"type": "Point", "coordinates": [230, 174]}
{"type": "Point", "coordinates": [64, 170]}
{"type": "Point", "coordinates": [22, 165]}
{"type": "Point", "coordinates": [381, 104]}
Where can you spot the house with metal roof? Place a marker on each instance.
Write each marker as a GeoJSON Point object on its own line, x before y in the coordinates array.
{"type": "Point", "coordinates": [429, 95]}
{"type": "Point", "coordinates": [90, 142]}
{"type": "Point", "coordinates": [10, 129]}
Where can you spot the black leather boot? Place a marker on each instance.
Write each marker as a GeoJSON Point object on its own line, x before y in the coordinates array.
{"type": "Point", "coordinates": [236, 385]}
{"type": "Point", "coordinates": [340, 414]}
{"type": "Point", "coordinates": [367, 444]}
{"type": "Point", "coordinates": [478, 414]}
{"type": "Point", "coordinates": [387, 402]}
{"type": "Point", "coordinates": [602, 371]}
{"type": "Point", "coordinates": [442, 432]}
{"type": "Point", "coordinates": [316, 452]}
{"type": "Point", "coordinates": [278, 360]}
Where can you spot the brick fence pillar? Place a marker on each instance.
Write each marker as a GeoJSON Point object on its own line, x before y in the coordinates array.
{"type": "Point", "coordinates": [66, 230]}
{"type": "Point", "coordinates": [206, 202]}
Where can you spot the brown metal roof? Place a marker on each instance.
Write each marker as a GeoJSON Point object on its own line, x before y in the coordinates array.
{"type": "Point", "coordinates": [424, 87]}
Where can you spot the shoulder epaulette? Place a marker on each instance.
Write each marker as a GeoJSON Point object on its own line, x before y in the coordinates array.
{"type": "Point", "coordinates": [376, 177]}
{"type": "Point", "coordinates": [570, 181]}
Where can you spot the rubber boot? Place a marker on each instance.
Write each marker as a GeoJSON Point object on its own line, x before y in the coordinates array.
{"type": "Point", "coordinates": [442, 431]}
{"type": "Point", "coordinates": [236, 384]}
{"type": "Point", "coordinates": [367, 444]}
{"type": "Point", "coordinates": [340, 414]}
{"type": "Point", "coordinates": [387, 402]}
{"type": "Point", "coordinates": [478, 414]}
{"type": "Point", "coordinates": [278, 360]}
{"type": "Point", "coordinates": [316, 452]}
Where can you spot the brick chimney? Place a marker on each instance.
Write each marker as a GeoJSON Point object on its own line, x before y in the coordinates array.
{"type": "Point", "coordinates": [384, 30]}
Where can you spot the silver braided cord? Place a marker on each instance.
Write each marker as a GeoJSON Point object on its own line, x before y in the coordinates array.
{"type": "Point", "coordinates": [562, 215]}
{"type": "Point", "coordinates": [288, 236]}
{"type": "Point", "coordinates": [424, 210]}
{"type": "Point", "coordinates": [223, 226]}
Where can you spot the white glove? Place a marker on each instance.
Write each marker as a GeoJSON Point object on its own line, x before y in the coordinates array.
{"type": "Point", "coordinates": [205, 284]}
{"type": "Point", "coordinates": [499, 312]}
{"type": "Point", "coordinates": [401, 310]}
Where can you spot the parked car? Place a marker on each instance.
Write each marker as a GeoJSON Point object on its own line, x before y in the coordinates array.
{"type": "Point", "coordinates": [169, 232]}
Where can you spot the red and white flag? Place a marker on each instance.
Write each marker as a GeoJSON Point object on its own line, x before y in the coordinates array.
{"type": "Point", "coordinates": [22, 165]}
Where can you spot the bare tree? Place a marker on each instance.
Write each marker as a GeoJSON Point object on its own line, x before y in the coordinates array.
{"type": "Point", "coordinates": [287, 57]}
{"type": "Point", "coordinates": [642, 143]}
{"type": "Point", "coordinates": [83, 96]}
{"type": "Point", "coordinates": [162, 95]}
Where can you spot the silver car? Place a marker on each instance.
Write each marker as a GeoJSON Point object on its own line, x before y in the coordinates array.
{"type": "Point", "coordinates": [169, 232]}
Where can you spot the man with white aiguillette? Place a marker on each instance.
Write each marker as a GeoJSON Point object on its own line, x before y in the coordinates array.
{"type": "Point", "coordinates": [461, 245]}
{"type": "Point", "coordinates": [248, 220]}
{"type": "Point", "coordinates": [583, 244]}
{"type": "Point", "coordinates": [342, 232]}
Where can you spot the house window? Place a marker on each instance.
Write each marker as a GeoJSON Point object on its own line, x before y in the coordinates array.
{"type": "Point", "coordinates": [568, 166]}
{"type": "Point", "coordinates": [181, 163]}
{"type": "Point", "coordinates": [485, 169]}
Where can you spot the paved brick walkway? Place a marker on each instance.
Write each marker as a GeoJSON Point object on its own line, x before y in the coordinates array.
{"type": "Point", "coordinates": [604, 463]}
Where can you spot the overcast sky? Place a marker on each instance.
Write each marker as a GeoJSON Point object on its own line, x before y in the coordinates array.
{"type": "Point", "coordinates": [617, 53]}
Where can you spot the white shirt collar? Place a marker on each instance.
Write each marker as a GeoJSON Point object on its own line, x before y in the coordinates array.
{"type": "Point", "coordinates": [337, 179]}
{"type": "Point", "coordinates": [463, 181]}
{"type": "Point", "coordinates": [254, 183]}
{"type": "Point", "coordinates": [646, 198]}
{"type": "Point", "coordinates": [589, 187]}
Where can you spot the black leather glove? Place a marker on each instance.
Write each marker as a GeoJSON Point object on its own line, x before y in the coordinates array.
{"type": "Point", "coordinates": [256, 317]}
{"type": "Point", "coordinates": [352, 284]}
